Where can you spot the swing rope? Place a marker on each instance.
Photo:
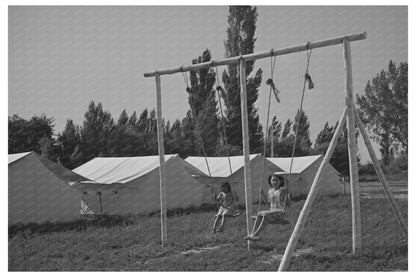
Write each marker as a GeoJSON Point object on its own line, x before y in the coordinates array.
{"type": "Point", "coordinates": [272, 88]}
{"type": "Point", "coordinates": [220, 89]}
{"type": "Point", "coordinates": [310, 86]}
{"type": "Point", "coordinates": [198, 131]}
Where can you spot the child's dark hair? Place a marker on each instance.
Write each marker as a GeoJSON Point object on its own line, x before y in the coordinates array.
{"type": "Point", "coordinates": [269, 180]}
{"type": "Point", "coordinates": [282, 180]}
{"type": "Point", "coordinates": [225, 187]}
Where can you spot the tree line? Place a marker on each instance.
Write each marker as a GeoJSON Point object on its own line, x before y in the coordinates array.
{"type": "Point", "coordinates": [383, 108]}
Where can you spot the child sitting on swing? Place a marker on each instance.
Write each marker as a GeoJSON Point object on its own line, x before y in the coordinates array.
{"type": "Point", "coordinates": [278, 198]}
{"type": "Point", "coordinates": [227, 207]}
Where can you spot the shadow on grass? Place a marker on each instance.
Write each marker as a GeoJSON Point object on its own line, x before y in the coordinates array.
{"type": "Point", "coordinates": [107, 221]}
{"type": "Point", "coordinates": [372, 258]}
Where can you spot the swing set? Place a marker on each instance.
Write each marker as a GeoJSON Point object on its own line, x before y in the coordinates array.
{"type": "Point", "coordinates": [350, 116]}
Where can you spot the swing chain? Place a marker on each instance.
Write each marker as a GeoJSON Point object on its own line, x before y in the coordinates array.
{"type": "Point", "coordinates": [220, 89]}
{"type": "Point", "coordinates": [272, 88]}
{"type": "Point", "coordinates": [195, 119]}
{"type": "Point", "coordinates": [269, 81]}
{"type": "Point", "coordinates": [310, 85]}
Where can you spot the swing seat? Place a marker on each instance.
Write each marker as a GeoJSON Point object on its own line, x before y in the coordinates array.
{"type": "Point", "coordinates": [273, 218]}
{"type": "Point", "coordinates": [233, 214]}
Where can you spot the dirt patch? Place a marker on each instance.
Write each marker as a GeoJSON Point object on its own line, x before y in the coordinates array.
{"type": "Point", "coordinates": [278, 257]}
{"type": "Point", "coordinates": [395, 195]}
{"type": "Point", "coordinates": [202, 249]}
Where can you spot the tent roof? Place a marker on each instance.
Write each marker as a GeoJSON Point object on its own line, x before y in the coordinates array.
{"type": "Point", "coordinates": [59, 171]}
{"type": "Point", "coordinates": [299, 165]}
{"type": "Point", "coordinates": [218, 166]}
{"type": "Point", "coordinates": [122, 170]}
{"type": "Point", "coordinates": [17, 156]}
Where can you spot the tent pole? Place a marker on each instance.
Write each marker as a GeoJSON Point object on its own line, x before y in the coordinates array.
{"type": "Point", "coordinates": [246, 147]}
{"type": "Point", "coordinates": [352, 152]}
{"type": "Point", "coordinates": [101, 202]}
{"type": "Point", "coordinates": [161, 149]}
{"type": "Point", "coordinates": [380, 174]}
{"type": "Point", "coordinates": [290, 248]}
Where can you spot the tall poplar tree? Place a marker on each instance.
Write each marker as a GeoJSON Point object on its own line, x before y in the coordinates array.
{"type": "Point", "coordinates": [70, 141]}
{"type": "Point", "coordinates": [95, 131]}
{"type": "Point", "coordinates": [286, 128]}
{"type": "Point", "coordinates": [204, 105]}
{"type": "Point", "coordinates": [240, 41]}
{"type": "Point", "coordinates": [303, 141]}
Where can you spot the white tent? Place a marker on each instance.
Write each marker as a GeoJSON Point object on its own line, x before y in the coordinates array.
{"type": "Point", "coordinates": [303, 173]}
{"type": "Point", "coordinates": [219, 171]}
{"type": "Point", "coordinates": [39, 190]}
{"type": "Point", "coordinates": [133, 184]}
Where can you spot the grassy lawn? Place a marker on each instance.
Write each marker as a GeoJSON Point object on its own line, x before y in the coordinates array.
{"type": "Point", "coordinates": [132, 243]}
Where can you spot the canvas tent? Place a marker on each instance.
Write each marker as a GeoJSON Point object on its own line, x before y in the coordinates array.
{"type": "Point", "coordinates": [303, 173]}
{"type": "Point", "coordinates": [220, 172]}
{"type": "Point", "coordinates": [39, 190]}
{"type": "Point", "coordinates": [133, 184]}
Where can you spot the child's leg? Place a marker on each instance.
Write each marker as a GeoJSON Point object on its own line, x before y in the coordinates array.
{"type": "Point", "coordinates": [260, 226]}
{"type": "Point", "coordinates": [215, 223]}
{"type": "Point", "coordinates": [222, 221]}
{"type": "Point", "coordinates": [256, 221]}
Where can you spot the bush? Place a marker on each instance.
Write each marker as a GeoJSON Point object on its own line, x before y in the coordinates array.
{"type": "Point", "coordinates": [367, 169]}
{"type": "Point", "coordinates": [401, 162]}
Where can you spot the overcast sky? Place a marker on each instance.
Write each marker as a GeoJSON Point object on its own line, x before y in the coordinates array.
{"type": "Point", "coordinates": [61, 57]}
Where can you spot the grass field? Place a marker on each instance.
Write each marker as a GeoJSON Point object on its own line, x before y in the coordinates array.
{"type": "Point", "coordinates": [132, 243]}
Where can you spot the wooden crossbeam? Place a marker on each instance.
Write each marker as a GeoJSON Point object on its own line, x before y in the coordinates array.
{"type": "Point", "coordinates": [259, 55]}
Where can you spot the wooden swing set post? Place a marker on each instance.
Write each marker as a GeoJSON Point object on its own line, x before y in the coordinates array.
{"type": "Point", "coordinates": [161, 148]}
{"type": "Point", "coordinates": [246, 148]}
{"type": "Point", "coordinates": [380, 175]}
{"type": "Point", "coordinates": [352, 152]}
{"type": "Point", "coordinates": [290, 248]}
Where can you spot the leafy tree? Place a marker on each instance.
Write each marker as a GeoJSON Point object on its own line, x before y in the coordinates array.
{"type": "Point", "coordinates": [191, 144]}
{"type": "Point", "coordinates": [284, 147]}
{"type": "Point", "coordinates": [339, 159]}
{"type": "Point", "coordinates": [383, 107]}
{"type": "Point", "coordinates": [273, 135]}
{"type": "Point", "coordinates": [30, 135]}
{"type": "Point", "coordinates": [174, 140]}
{"type": "Point", "coordinates": [286, 128]}
{"type": "Point", "coordinates": [204, 105]}
{"type": "Point", "coordinates": [134, 130]}
{"type": "Point", "coordinates": [95, 132]}
{"type": "Point", "coordinates": [240, 41]}
{"type": "Point", "coordinates": [70, 141]}
{"type": "Point", "coordinates": [301, 127]}
{"type": "Point", "coordinates": [143, 121]}
{"type": "Point", "coordinates": [46, 146]}
{"type": "Point", "coordinates": [119, 140]}
{"type": "Point", "coordinates": [325, 135]}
